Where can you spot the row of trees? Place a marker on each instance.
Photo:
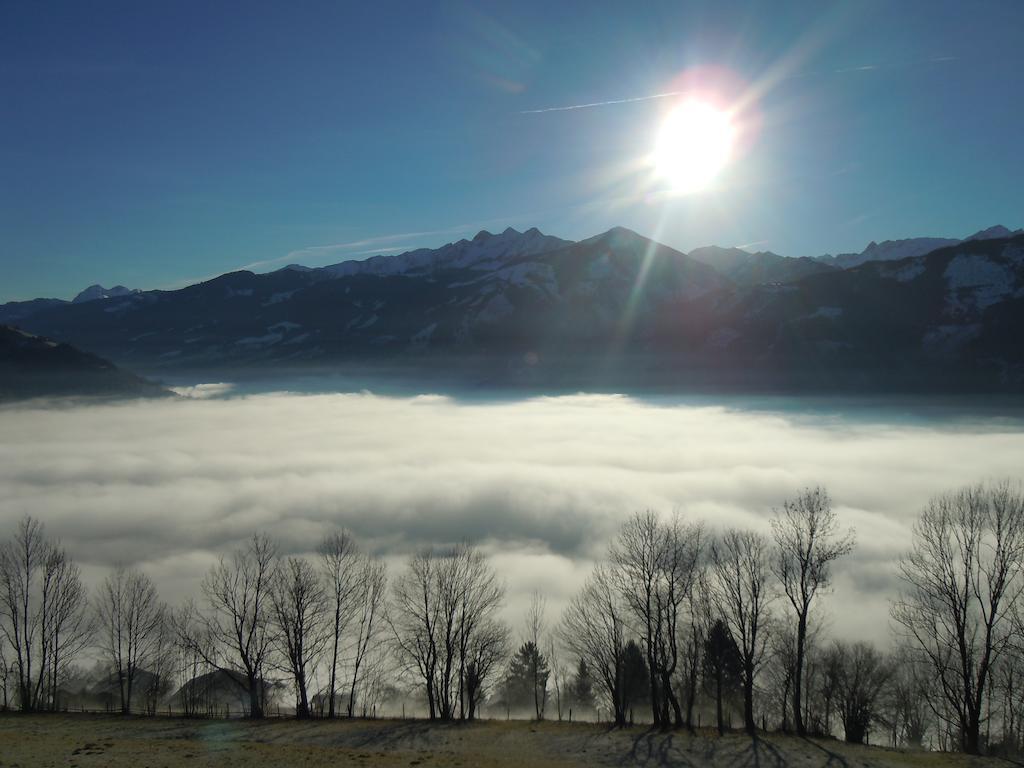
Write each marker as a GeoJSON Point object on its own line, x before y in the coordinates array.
{"type": "Point", "coordinates": [675, 620]}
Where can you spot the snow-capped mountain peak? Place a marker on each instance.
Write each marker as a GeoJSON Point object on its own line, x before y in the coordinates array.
{"type": "Point", "coordinates": [97, 291]}
{"type": "Point", "coordinates": [485, 251]}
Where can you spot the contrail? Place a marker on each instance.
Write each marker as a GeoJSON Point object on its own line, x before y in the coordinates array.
{"type": "Point", "coordinates": [665, 95]}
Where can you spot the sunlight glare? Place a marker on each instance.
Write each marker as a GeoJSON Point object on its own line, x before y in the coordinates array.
{"type": "Point", "coordinates": [693, 145]}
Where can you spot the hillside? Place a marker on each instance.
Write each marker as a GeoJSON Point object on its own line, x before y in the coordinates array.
{"type": "Point", "coordinates": [35, 366]}
{"type": "Point", "coordinates": [96, 740]}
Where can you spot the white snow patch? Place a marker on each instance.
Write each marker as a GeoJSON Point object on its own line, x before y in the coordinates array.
{"type": "Point", "coordinates": [908, 272]}
{"type": "Point", "coordinates": [984, 281]}
{"type": "Point", "coordinates": [277, 298]}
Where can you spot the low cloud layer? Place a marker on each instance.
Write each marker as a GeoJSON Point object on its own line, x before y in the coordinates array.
{"type": "Point", "coordinates": [541, 484]}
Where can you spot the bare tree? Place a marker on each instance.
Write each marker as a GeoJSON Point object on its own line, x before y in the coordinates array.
{"type": "Point", "coordinates": [780, 671]}
{"type": "Point", "coordinates": [130, 619]}
{"type": "Point", "coordinates": [440, 606]}
{"type": "Point", "coordinates": [69, 624]}
{"type": "Point", "coordinates": [343, 567]}
{"type": "Point", "coordinates": [195, 651]}
{"type": "Point", "coordinates": [829, 664]}
{"type": "Point", "coordinates": [5, 677]}
{"type": "Point", "coordinates": [370, 610]}
{"type": "Point", "coordinates": [162, 661]}
{"type": "Point", "coordinates": [487, 650]}
{"type": "Point", "coordinates": [657, 566]}
{"type": "Point", "coordinates": [1008, 688]}
{"type": "Point", "coordinates": [300, 622]}
{"type": "Point", "coordinates": [233, 634]}
{"type": "Point", "coordinates": [910, 693]}
{"type": "Point", "coordinates": [694, 637]}
{"type": "Point", "coordinates": [680, 572]}
{"type": "Point", "coordinates": [43, 613]}
{"type": "Point", "coordinates": [536, 626]}
{"type": "Point", "coordinates": [808, 541]}
{"type": "Point", "coordinates": [413, 618]}
{"type": "Point", "coordinates": [743, 595]}
{"type": "Point", "coordinates": [479, 595]}
{"type": "Point", "coordinates": [863, 671]}
{"type": "Point", "coordinates": [594, 628]}
{"type": "Point", "coordinates": [559, 673]}
{"type": "Point", "coordinates": [25, 589]}
{"type": "Point", "coordinates": [962, 580]}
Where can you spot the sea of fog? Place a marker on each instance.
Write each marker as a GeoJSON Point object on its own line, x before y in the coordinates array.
{"type": "Point", "coordinates": [541, 483]}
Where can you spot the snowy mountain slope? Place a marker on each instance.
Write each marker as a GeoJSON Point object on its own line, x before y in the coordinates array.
{"type": "Point", "coordinates": [894, 250]}
{"type": "Point", "coordinates": [484, 252]}
{"type": "Point", "coordinates": [955, 310]}
{"type": "Point", "coordinates": [889, 250]}
{"type": "Point", "coordinates": [575, 293]}
{"type": "Point", "coordinates": [96, 292]}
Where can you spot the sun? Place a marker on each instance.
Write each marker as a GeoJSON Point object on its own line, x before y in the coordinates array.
{"type": "Point", "coordinates": [693, 145]}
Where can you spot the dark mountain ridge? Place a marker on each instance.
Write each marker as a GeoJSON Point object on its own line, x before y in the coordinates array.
{"type": "Point", "coordinates": [34, 366]}
{"type": "Point", "coordinates": [524, 306]}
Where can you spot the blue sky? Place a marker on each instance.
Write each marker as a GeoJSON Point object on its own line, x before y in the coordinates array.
{"type": "Point", "coordinates": [154, 144]}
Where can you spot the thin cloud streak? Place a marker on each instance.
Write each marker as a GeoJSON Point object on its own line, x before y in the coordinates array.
{"type": "Point", "coordinates": [321, 251]}
{"type": "Point", "coordinates": [666, 95]}
{"type": "Point", "coordinates": [761, 90]}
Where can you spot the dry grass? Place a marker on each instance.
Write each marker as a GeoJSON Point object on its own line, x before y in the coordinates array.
{"type": "Point", "coordinates": [106, 740]}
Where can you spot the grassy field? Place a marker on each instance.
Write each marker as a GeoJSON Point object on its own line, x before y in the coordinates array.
{"type": "Point", "coordinates": [108, 740]}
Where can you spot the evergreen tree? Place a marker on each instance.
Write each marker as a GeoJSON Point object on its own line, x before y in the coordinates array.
{"type": "Point", "coordinates": [581, 692]}
{"type": "Point", "coordinates": [636, 686]}
{"type": "Point", "coordinates": [723, 668]}
{"type": "Point", "coordinates": [527, 683]}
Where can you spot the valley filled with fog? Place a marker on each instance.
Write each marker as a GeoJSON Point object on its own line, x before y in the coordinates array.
{"type": "Point", "coordinates": [541, 484]}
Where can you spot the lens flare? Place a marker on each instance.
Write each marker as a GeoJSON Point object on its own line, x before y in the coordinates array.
{"type": "Point", "coordinates": [694, 144]}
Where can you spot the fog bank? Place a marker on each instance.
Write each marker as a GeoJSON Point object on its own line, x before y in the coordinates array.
{"type": "Point", "coordinates": [541, 484]}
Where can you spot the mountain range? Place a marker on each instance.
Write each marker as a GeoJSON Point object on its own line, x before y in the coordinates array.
{"type": "Point", "coordinates": [616, 309]}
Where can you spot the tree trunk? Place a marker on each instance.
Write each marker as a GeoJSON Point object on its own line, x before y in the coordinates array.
{"type": "Point", "coordinates": [352, 690]}
{"type": "Point", "coordinates": [255, 700]}
{"type": "Point", "coordinates": [718, 703]}
{"type": "Point", "coordinates": [798, 679]}
{"type": "Point", "coordinates": [302, 712]}
{"type": "Point", "coordinates": [334, 664]}
{"type": "Point", "coordinates": [972, 737]}
{"type": "Point", "coordinates": [748, 702]}
{"type": "Point", "coordinates": [673, 700]}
